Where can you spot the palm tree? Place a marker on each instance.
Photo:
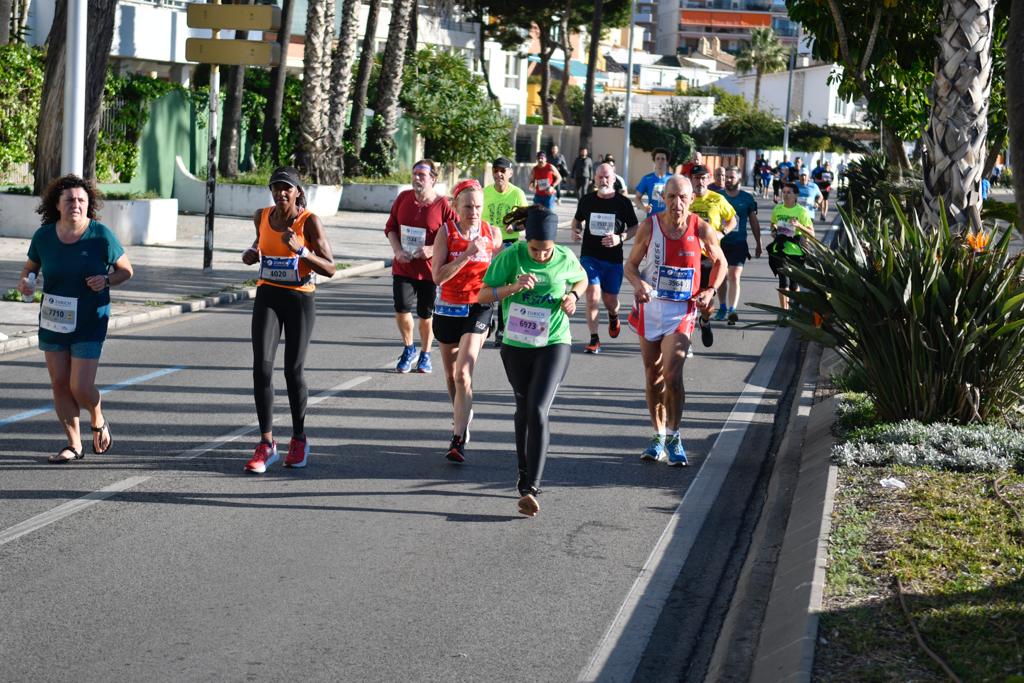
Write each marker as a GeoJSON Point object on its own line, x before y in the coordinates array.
{"type": "Point", "coordinates": [316, 71]}
{"type": "Point", "coordinates": [958, 123]}
{"type": "Point", "coordinates": [1015, 98]}
{"type": "Point", "coordinates": [275, 98]}
{"type": "Point", "coordinates": [764, 54]}
{"type": "Point", "coordinates": [379, 152]}
{"type": "Point", "coordinates": [341, 82]}
{"type": "Point", "coordinates": [367, 56]}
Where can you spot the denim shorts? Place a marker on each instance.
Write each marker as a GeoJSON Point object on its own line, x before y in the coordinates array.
{"type": "Point", "coordinates": [604, 273]}
{"type": "Point", "coordinates": [86, 350]}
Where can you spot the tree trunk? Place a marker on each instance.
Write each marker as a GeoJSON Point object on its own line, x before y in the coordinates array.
{"type": "Point", "coordinates": [895, 152]}
{"type": "Point", "coordinates": [102, 14]}
{"type": "Point", "coordinates": [367, 56]}
{"type": "Point", "coordinates": [959, 116]}
{"type": "Point", "coordinates": [566, 45]}
{"type": "Point", "coordinates": [49, 134]}
{"type": "Point", "coordinates": [379, 153]}
{"type": "Point", "coordinates": [484, 68]}
{"type": "Point", "coordinates": [757, 88]}
{"type": "Point", "coordinates": [316, 69]}
{"type": "Point", "coordinates": [587, 124]}
{"type": "Point", "coordinates": [341, 81]}
{"type": "Point", "coordinates": [1015, 100]}
{"type": "Point", "coordinates": [275, 98]}
{"type": "Point", "coordinates": [413, 38]}
{"type": "Point", "coordinates": [546, 48]}
{"type": "Point", "coordinates": [5, 21]}
{"type": "Point", "coordinates": [231, 121]}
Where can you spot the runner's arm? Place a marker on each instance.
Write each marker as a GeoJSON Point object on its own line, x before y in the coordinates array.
{"type": "Point", "coordinates": [440, 269]}
{"type": "Point", "coordinates": [631, 268]}
{"type": "Point", "coordinates": [319, 255]}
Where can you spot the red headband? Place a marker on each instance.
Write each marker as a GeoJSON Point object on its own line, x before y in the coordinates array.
{"type": "Point", "coordinates": [463, 185]}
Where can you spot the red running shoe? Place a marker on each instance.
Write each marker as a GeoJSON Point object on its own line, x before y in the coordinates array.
{"type": "Point", "coordinates": [457, 451]}
{"type": "Point", "coordinates": [614, 327]}
{"type": "Point", "coordinates": [265, 456]}
{"type": "Point", "coordinates": [298, 453]}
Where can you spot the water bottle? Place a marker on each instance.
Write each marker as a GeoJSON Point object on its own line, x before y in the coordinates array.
{"type": "Point", "coordinates": [30, 285]}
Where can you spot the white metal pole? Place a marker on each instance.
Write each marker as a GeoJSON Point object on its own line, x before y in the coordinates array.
{"type": "Point", "coordinates": [789, 97]}
{"type": "Point", "coordinates": [629, 94]}
{"type": "Point", "coordinates": [73, 147]}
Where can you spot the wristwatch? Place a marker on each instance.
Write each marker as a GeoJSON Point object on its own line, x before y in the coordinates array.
{"type": "Point", "coordinates": [302, 253]}
{"type": "Point", "coordinates": [106, 280]}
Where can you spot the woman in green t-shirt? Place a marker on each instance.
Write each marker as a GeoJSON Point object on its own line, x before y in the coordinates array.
{"type": "Point", "coordinates": [80, 260]}
{"type": "Point", "coordinates": [538, 284]}
{"type": "Point", "coordinates": [791, 224]}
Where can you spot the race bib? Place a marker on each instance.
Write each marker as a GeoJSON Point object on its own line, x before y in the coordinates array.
{"type": "Point", "coordinates": [58, 313]}
{"type": "Point", "coordinates": [657, 191]}
{"type": "Point", "coordinates": [413, 238]}
{"type": "Point", "coordinates": [283, 269]}
{"type": "Point", "coordinates": [602, 224]}
{"type": "Point", "coordinates": [528, 324]}
{"type": "Point", "coordinates": [786, 229]}
{"type": "Point", "coordinates": [543, 185]}
{"type": "Point", "coordinates": [674, 284]}
{"type": "Point", "coordinates": [446, 308]}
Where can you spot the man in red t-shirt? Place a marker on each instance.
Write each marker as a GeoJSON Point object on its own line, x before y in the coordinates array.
{"type": "Point", "coordinates": [415, 218]}
{"type": "Point", "coordinates": [545, 179]}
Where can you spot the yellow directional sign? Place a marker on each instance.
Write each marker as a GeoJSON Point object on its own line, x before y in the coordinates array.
{"type": "Point", "coordinates": [238, 17]}
{"type": "Point", "coordinates": [248, 52]}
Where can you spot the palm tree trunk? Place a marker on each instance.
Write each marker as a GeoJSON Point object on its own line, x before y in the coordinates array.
{"type": "Point", "coordinates": [275, 98]}
{"type": "Point", "coordinates": [561, 99]}
{"type": "Point", "coordinates": [5, 21]}
{"type": "Point", "coordinates": [354, 133]}
{"type": "Point", "coordinates": [231, 123]}
{"type": "Point", "coordinates": [315, 72]}
{"type": "Point", "coordinates": [546, 48]}
{"type": "Point", "coordinates": [379, 153]}
{"type": "Point", "coordinates": [341, 81]}
{"type": "Point", "coordinates": [49, 134]}
{"type": "Point", "coordinates": [587, 124]}
{"type": "Point", "coordinates": [958, 124]}
{"type": "Point", "coordinates": [481, 39]}
{"type": "Point", "coordinates": [1015, 100]}
{"type": "Point", "coordinates": [757, 88]}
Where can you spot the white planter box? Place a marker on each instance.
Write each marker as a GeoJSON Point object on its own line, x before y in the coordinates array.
{"type": "Point", "coordinates": [133, 221]}
{"type": "Point", "coordinates": [378, 198]}
{"type": "Point", "coordinates": [244, 200]}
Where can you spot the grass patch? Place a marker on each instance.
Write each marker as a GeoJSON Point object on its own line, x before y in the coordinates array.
{"type": "Point", "coordinates": [255, 177]}
{"type": "Point", "coordinates": [23, 189]}
{"type": "Point", "coordinates": [340, 265]}
{"type": "Point", "coordinates": [115, 196]}
{"type": "Point", "coordinates": [959, 552]}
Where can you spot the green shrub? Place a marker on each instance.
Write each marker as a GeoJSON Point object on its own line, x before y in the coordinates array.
{"type": "Point", "coordinates": [20, 89]}
{"type": "Point", "coordinates": [855, 410]}
{"type": "Point", "coordinates": [871, 183]}
{"type": "Point", "coordinates": [648, 136]}
{"type": "Point", "coordinates": [993, 209]}
{"type": "Point", "coordinates": [126, 100]}
{"type": "Point", "coordinates": [974, 448]}
{"type": "Point", "coordinates": [931, 322]}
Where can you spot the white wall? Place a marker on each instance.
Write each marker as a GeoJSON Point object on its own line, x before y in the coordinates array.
{"type": "Point", "coordinates": [814, 98]}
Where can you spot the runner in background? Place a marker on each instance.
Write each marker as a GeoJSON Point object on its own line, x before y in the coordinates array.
{"type": "Point", "coordinates": [544, 180]}
{"type": "Point", "coordinates": [415, 218]}
{"type": "Point", "coordinates": [500, 199]}
{"type": "Point", "coordinates": [462, 252]}
{"type": "Point", "coordinates": [650, 187]}
{"type": "Point", "coordinates": [735, 245]}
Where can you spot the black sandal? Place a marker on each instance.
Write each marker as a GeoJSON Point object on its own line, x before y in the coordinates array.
{"type": "Point", "coordinates": [60, 458]}
{"type": "Point", "coordinates": [105, 427]}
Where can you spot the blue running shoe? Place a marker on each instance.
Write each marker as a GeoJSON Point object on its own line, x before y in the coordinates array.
{"type": "Point", "coordinates": [655, 451]}
{"type": "Point", "coordinates": [405, 360]}
{"type": "Point", "coordinates": [676, 453]}
{"type": "Point", "coordinates": [424, 365]}
{"type": "Point", "coordinates": [720, 314]}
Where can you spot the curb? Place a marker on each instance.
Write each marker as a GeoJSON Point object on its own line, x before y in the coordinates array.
{"type": "Point", "coordinates": [785, 649]}
{"type": "Point", "coordinates": [171, 310]}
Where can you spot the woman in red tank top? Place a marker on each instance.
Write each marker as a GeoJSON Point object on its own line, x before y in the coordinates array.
{"type": "Point", "coordinates": [462, 253]}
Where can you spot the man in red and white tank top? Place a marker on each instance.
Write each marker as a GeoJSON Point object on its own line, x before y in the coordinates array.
{"type": "Point", "coordinates": [664, 269]}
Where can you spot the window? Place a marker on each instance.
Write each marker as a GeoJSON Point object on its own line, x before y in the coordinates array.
{"type": "Point", "coordinates": [512, 67]}
{"type": "Point", "coordinates": [840, 106]}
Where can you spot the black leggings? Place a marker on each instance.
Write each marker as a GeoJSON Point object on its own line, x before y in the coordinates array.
{"type": "Point", "coordinates": [274, 310]}
{"type": "Point", "coordinates": [534, 375]}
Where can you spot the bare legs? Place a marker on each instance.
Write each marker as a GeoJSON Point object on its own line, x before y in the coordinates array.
{"type": "Point", "coordinates": [459, 361]}
{"type": "Point", "coordinates": [405, 328]}
{"type": "Point", "coordinates": [73, 381]}
{"type": "Point", "coordinates": [663, 369]}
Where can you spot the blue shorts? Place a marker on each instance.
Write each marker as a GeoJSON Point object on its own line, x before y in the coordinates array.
{"type": "Point", "coordinates": [545, 200]}
{"type": "Point", "coordinates": [736, 253]}
{"type": "Point", "coordinates": [604, 273]}
{"type": "Point", "coordinates": [86, 350]}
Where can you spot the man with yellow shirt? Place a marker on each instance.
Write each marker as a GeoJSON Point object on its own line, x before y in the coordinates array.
{"type": "Point", "coordinates": [718, 212]}
{"type": "Point", "coordinates": [499, 199]}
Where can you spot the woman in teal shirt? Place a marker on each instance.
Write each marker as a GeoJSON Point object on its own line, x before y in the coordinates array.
{"type": "Point", "coordinates": [80, 259]}
{"type": "Point", "coordinates": [538, 283]}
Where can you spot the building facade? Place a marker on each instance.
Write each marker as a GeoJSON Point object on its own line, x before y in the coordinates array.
{"type": "Point", "coordinates": [681, 24]}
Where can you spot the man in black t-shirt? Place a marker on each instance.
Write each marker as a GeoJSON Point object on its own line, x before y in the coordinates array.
{"type": "Point", "coordinates": [604, 220]}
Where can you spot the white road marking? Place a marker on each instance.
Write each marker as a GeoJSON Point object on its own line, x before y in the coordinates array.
{"type": "Point", "coordinates": [623, 644]}
{"type": "Point", "coordinates": [106, 390]}
{"type": "Point", "coordinates": [71, 507]}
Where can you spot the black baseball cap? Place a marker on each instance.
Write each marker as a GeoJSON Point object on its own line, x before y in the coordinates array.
{"type": "Point", "coordinates": [285, 174]}
{"type": "Point", "coordinates": [502, 162]}
{"type": "Point", "coordinates": [699, 169]}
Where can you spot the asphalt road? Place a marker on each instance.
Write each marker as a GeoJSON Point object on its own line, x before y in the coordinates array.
{"type": "Point", "coordinates": [380, 561]}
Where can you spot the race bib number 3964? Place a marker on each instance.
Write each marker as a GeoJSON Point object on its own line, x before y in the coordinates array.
{"type": "Point", "coordinates": [674, 284]}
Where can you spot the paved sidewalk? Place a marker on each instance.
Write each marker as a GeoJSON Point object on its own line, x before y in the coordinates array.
{"type": "Point", "coordinates": [169, 277]}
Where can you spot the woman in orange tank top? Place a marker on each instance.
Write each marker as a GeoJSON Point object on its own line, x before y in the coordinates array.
{"type": "Point", "coordinates": [290, 246]}
{"type": "Point", "coordinates": [462, 253]}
